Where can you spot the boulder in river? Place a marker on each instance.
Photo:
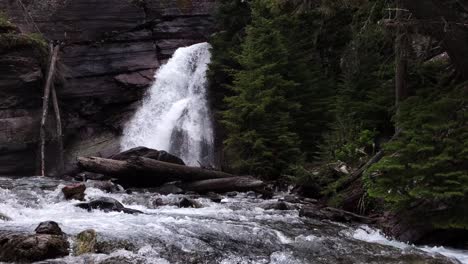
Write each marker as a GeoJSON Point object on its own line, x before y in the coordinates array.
{"type": "Point", "coordinates": [188, 203]}
{"type": "Point", "coordinates": [107, 204]}
{"type": "Point", "coordinates": [4, 217]}
{"type": "Point", "coordinates": [106, 186]}
{"type": "Point", "coordinates": [49, 228]}
{"type": "Point", "coordinates": [22, 247]}
{"type": "Point", "coordinates": [169, 188]}
{"type": "Point", "coordinates": [74, 191]}
{"type": "Point", "coordinates": [160, 155]}
{"type": "Point", "coordinates": [85, 242]}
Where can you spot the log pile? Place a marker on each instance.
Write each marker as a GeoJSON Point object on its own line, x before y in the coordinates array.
{"type": "Point", "coordinates": [144, 171]}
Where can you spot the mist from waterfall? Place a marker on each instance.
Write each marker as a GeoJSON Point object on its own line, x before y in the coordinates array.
{"type": "Point", "coordinates": [175, 116]}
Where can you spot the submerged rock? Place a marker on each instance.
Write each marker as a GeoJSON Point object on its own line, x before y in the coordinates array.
{"type": "Point", "coordinates": [280, 205]}
{"type": "Point", "coordinates": [214, 197]}
{"type": "Point", "coordinates": [4, 217]}
{"type": "Point", "coordinates": [107, 204]}
{"type": "Point", "coordinates": [48, 243]}
{"type": "Point", "coordinates": [74, 191]}
{"type": "Point", "coordinates": [188, 203]}
{"type": "Point", "coordinates": [85, 242]}
{"type": "Point", "coordinates": [106, 186]}
{"type": "Point", "coordinates": [49, 228]}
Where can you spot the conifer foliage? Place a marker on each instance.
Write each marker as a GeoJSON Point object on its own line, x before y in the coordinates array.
{"type": "Point", "coordinates": [258, 120]}
{"type": "Point", "coordinates": [427, 164]}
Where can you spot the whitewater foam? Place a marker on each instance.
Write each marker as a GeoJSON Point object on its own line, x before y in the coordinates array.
{"type": "Point", "coordinates": [174, 115]}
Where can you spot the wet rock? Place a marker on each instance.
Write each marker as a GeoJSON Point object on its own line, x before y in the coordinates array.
{"type": "Point", "coordinates": [167, 157]}
{"type": "Point", "coordinates": [169, 189]}
{"type": "Point", "coordinates": [49, 228]}
{"type": "Point", "coordinates": [84, 176]}
{"type": "Point", "coordinates": [214, 197]}
{"type": "Point", "coordinates": [108, 246]}
{"type": "Point", "coordinates": [4, 217]}
{"type": "Point", "coordinates": [291, 199]}
{"type": "Point", "coordinates": [188, 203]}
{"type": "Point", "coordinates": [281, 206]}
{"type": "Point", "coordinates": [45, 244]}
{"type": "Point", "coordinates": [158, 202]}
{"type": "Point", "coordinates": [74, 191]}
{"type": "Point", "coordinates": [85, 242]}
{"type": "Point", "coordinates": [107, 204]}
{"type": "Point", "coordinates": [160, 155]}
{"type": "Point", "coordinates": [231, 194]}
{"type": "Point", "coordinates": [106, 186]}
{"type": "Point", "coordinates": [251, 194]}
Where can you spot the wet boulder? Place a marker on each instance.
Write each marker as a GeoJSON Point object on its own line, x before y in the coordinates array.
{"type": "Point", "coordinates": [4, 217]}
{"type": "Point", "coordinates": [169, 188]}
{"type": "Point", "coordinates": [214, 197]}
{"type": "Point", "coordinates": [188, 203]}
{"type": "Point", "coordinates": [85, 242]}
{"type": "Point", "coordinates": [160, 155]}
{"type": "Point", "coordinates": [22, 247]}
{"type": "Point", "coordinates": [280, 206]}
{"type": "Point", "coordinates": [106, 186]}
{"type": "Point", "coordinates": [231, 194]}
{"type": "Point", "coordinates": [49, 228]}
{"type": "Point", "coordinates": [74, 191]}
{"type": "Point", "coordinates": [107, 204]}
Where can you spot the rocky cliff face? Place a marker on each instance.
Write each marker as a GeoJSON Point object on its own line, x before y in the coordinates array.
{"type": "Point", "coordinates": [110, 51]}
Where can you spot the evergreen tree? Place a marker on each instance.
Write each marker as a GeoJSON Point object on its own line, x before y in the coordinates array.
{"type": "Point", "coordinates": [232, 17]}
{"type": "Point", "coordinates": [427, 165]}
{"type": "Point", "coordinates": [260, 137]}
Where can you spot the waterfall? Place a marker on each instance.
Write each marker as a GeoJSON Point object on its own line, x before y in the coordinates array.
{"type": "Point", "coordinates": [174, 115]}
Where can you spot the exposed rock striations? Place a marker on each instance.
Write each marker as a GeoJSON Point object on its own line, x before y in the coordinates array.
{"type": "Point", "coordinates": [110, 51]}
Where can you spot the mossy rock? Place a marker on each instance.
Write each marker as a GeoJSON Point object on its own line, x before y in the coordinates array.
{"type": "Point", "coordinates": [85, 242]}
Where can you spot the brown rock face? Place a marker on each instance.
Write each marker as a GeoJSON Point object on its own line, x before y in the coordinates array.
{"type": "Point", "coordinates": [74, 191]}
{"type": "Point", "coordinates": [49, 242]}
{"type": "Point", "coordinates": [110, 51]}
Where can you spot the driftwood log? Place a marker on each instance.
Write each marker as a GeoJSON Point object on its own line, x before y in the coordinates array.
{"type": "Point", "coordinates": [223, 185]}
{"type": "Point", "coordinates": [145, 172]}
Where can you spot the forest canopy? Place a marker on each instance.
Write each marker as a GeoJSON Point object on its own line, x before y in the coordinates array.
{"type": "Point", "coordinates": [360, 103]}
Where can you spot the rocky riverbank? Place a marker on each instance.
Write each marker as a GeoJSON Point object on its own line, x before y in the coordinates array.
{"type": "Point", "coordinates": [230, 228]}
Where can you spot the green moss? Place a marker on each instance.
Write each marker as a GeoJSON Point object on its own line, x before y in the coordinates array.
{"type": "Point", "coordinates": [12, 41]}
{"type": "Point", "coordinates": [5, 24]}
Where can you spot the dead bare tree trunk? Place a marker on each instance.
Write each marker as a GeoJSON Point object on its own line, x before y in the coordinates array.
{"type": "Point", "coordinates": [45, 107]}
{"type": "Point", "coordinates": [401, 58]}
{"type": "Point", "coordinates": [440, 20]}
{"type": "Point", "coordinates": [58, 122]}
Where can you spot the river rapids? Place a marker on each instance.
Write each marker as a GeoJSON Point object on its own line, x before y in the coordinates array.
{"type": "Point", "coordinates": [239, 229]}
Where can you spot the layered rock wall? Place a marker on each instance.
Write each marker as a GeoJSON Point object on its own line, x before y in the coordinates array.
{"type": "Point", "coordinates": [110, 51]}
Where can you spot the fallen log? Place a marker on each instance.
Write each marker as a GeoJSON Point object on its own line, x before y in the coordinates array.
{"type": "Point", "coordinates": [222, 185]}
{"type": "Point", "coordinates": [334, 214]}
{"type": "Point", "coordinates": [145, 172]}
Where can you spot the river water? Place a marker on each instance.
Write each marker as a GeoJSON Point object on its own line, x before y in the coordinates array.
{"type": "Point", "coordinates": [239, 229]}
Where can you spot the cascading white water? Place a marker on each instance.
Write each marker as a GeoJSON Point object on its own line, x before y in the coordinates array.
{"type": "Point", "coordinates": [175, 116]}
